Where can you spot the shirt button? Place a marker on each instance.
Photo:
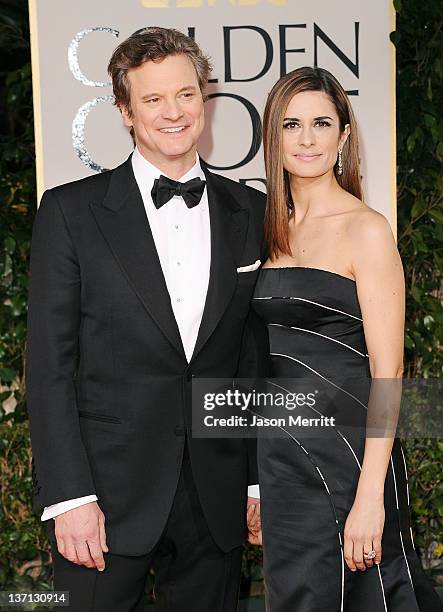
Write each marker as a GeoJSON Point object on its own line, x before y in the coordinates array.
{"type": "Point", "coordinates": [178, 300]}
{"type": "Point", "coordinates": [176, 226]}
{"type": "Point", "coordinates": [178, 263]}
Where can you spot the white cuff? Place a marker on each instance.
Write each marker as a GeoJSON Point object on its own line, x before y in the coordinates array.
{"type": "Point", "coordinates": [64, 506]}
{"type": "Point", "coordinates": [254, 491]}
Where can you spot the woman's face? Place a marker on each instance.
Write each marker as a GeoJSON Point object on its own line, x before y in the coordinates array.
{"type": "Point", "coordinates": [311, 135]}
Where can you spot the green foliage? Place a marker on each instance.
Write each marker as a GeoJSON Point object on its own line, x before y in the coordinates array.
{"type": "Point", "coordinates": [420, 180]}
{"type": "Point", "coordinates": [420, 238]}
{"type": "Point", "coordinates": [23, 545]}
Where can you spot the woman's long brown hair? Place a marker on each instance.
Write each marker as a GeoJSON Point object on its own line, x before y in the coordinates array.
{"type": "Point", "coordinates": [279, 204]}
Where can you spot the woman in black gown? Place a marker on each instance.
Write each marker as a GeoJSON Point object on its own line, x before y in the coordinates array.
{"type": "Point", "coordinates": [335, 515]}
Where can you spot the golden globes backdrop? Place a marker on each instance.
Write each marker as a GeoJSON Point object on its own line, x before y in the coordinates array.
{"type": "Point", "coordinates": [251, 43]}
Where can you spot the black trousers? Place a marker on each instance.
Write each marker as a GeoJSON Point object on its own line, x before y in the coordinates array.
{"type": "Point", "coordinates": [192, 574]}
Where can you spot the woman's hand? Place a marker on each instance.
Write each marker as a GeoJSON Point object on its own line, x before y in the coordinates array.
{"type": "Point", "coordinates": [363, 532]}
{"type": "Point", "coordinates": [254, 521]}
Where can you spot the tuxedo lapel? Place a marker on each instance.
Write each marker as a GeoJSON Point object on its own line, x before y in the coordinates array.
{"type": "Point", "coordinates": [229, 224]}
{"type": "Point", "coordinates": [123, 222]}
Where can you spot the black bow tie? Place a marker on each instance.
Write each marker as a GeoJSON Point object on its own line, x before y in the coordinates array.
{"type": "Point", "coordinates": [165, 188]}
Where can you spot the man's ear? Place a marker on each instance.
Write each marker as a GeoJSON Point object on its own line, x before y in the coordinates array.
{"type": "Point", "coordinates": [127, 120]}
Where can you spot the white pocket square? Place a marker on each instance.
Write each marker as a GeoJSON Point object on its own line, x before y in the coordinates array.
{"type": "Point", "coordinates": [250, 268]}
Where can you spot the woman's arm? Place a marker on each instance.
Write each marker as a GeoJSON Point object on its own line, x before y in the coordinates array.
{"type": "Point", "coordinates": [380, 287]}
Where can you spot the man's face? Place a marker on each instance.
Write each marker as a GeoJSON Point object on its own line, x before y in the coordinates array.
{"type": "Point", "coordinates": [167, 109]}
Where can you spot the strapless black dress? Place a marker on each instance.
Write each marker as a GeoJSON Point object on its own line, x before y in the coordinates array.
{"type": "Point", "coordinates": [308, 485]}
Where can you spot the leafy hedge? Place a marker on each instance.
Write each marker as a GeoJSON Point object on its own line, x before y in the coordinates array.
{"type": "Point", "coordinates": [420, 238]}
{"type": "Point", "coordinates": [23, 545]}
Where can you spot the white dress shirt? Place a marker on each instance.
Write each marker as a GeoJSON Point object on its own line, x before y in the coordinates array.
{"type": "Point", "coordinates": [182, 237]}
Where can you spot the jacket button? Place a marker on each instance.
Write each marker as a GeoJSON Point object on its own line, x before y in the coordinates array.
{"type": "Point", "coordinates": [189, 376]}
{"type": "Point", "coordinates": [179, 430]}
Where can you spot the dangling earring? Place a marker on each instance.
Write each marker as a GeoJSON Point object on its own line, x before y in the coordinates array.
{"type": "Point", "coordinates": [340, 163]}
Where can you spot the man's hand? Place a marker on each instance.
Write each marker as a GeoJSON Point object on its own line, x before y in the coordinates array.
{"type": "Point", "coordinates": [253, 521]}
{"type": "Point", "coordinates": [81, 536]}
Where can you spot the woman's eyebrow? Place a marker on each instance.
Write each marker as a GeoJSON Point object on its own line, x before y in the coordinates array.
{"type": "Point", "coordinates": [315, 118]}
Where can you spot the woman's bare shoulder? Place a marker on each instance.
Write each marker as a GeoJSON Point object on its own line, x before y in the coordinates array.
{"type": "Point", "coordinates": [364, 224]}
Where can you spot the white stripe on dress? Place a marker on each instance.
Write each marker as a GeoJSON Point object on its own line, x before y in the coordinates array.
{"type": "Point", "coordinates": [407, 491]}
{"type": "Point", "coordinates": [321, 376]}
{"type": "Point", "coordinates": [401, 537]}
{"type": "Point", "coordinates": [392, 463]}
{"type": "Point", "coordinates": [356, 459]}
{"type": "Point", "coordinates": [309, 331]}
{"type": "Point", "coordinates": [320, 414]}
{"type": "Point", "coordinates": [332, 503]}
{"type": "Point", "coordinates": [309, 302]}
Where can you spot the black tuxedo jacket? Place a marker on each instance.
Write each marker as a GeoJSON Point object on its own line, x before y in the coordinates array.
{"type": "Point", "coordinates": [108, 383]}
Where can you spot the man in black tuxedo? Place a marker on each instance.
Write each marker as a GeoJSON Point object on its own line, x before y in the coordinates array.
{"type": "Point", "coordinates": [141, 278]}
